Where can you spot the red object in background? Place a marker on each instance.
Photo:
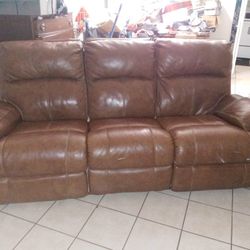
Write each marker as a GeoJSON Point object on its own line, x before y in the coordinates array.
{"type": "Point", "coordinates": [176, 6]}
{"type": "Point", "coordinates": [81, 16]}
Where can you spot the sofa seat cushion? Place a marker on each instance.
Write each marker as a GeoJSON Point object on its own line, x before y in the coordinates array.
{"type": "Point", "coordinates": [174, 122]}
{"type": "Point", "coordinates": [44, 148]}
{"type": "Point", "coordinates": [128, 143]}
{"type": "Point", "coordinates": [207, 140]}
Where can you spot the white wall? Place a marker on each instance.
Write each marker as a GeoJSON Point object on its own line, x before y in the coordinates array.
{"type": "Point", "coordinates": [223, 30]}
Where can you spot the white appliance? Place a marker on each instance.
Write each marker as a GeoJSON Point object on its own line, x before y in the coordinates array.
{"type": "Point", "coordinates": [244, 48]}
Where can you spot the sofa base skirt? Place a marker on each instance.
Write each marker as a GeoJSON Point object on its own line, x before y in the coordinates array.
{"type": "Point", "coordinates": [211, 177]}
{"type": "Point", "coordinates": [129, 180]}
{"type": "Point", "coordinates": [22, 189]}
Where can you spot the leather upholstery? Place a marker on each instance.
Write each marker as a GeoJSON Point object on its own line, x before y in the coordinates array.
{"type": "Point", "coordinates": [44, 161]}
{"type": "Point", "coordinates": [27, 189]}
{"type": "Point", "coordinates": [44, 148]}
{"type": "Point", "coordinates": [211, 177]}
{"type": "Point", "coordinates": [120, 78]}
{"type": "Point", "coordinates": [175, 122]}
{"type": "Point", "coordinates": [209, 153]}
{"type": "Point", "coordinates": [210, 145]}
{"type": "Point", "coordinates": [128, 149]}
{"type": "Point", "coordinates": [156, 115]}
{"type": "Point", "coordinates": [236, 110]}
{"type": "Point", "coordinates": [44, 80]}
{"type": "Point", "coordinates": [129, 180]}
{"type": "Point", "coordinates": [192, 77]}
{"type": "Point", "coordinates": [31, 60]}
{"type": "Point", "coordinates": [9, 117]}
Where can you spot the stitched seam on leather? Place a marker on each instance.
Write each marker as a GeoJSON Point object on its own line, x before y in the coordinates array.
{"type": "Point", "coordinates": [195, 148]}
{"type": "Point", "coordinates": [2, 153]}
{"type": "Point", "coordinates": [16, 106]}
{"type": "Point", "coordinates": [165, 91]}
{"type": "Point", "coordinates": [4, 170]}
{"type": "Point", "coordinates": [192, 178]}
{"type": "Point", "coordinates": [50, 105]}
{"type": "Point", "coordinates": [193, 97]}
{"type": "Point", "coordinates": [231, 104]}
{"type": "Point", "coordinates": [47, 131]}
{"type": "Point", "coordinates": [108, 137]}
{"type": "Point", "coordinates": [125, 107]}
{"type": "Point", "coordinates": [153, 143]}
{"type": "Point", "coordinates": [66, 154]}
{"type": "Point", "coordinates": [67, 181]}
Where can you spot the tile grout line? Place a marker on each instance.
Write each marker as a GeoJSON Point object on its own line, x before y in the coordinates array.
{"type": "Point", "coordinates": [244, 248]}
{"type": "Point", "coordinates": [92, 243]}
{"type": "Point", "coordinates": [35, 224]}
{"type": "Point", "coordinates": [89, 202]}
{"type": "Point", "coordinates": [207, 237]}
{"type": "Point", "coordinates": [97, 205]}
{"type": "Point", "coordinates": [135, 221]}
{"type": "Point", "coordinates": [190, 232]}
{"type": "Point", "coordinates": [173, 195]}
{"type": "Point", "coordinates": [76, 237]}
{"type": "Point", "coordinates": [4, 206]}
{"type": "Point", "coordinates": [199, 202]}
{"type": "Point", "coordinates": [179, 240]}
{"type": "Point", "coordinates": [115, 210]}
{"type": "Point", "coordinates": [232, 209]}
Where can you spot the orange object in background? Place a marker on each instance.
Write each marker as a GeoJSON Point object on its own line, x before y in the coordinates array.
{"type": "Point", "coordinates": [81, 16]}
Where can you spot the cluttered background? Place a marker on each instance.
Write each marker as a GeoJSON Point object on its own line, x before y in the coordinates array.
{"type": "Point", "coordinates": [69, 19]}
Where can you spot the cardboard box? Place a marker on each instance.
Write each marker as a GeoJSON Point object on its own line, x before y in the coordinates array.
{"type": "Point", "coordinates": [211, 21]}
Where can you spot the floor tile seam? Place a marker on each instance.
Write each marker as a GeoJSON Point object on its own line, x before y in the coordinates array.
{"type": "Point", "coordinates": [34, 224]}
{"type": "Point", "coordinates": [56, 230]}
{"type": "Point", "coordinates": [76, 237]}
{"type": "Point", "coordinates": [184, 230]}
{"type": "Point", "coordinates": [199, 202]}
{"type": "Point", "coordinates": [179, 240]}
{"type": "Point", "coordinates": [4, 206]}
{"type": "Point", "coordinates": [207, 237]}
{"type": "Point", "coordinates": [17, 217]}
{"type": "Point", "coordinates": [99, 202]}
{"type": "Point", "coordinates": [159, 223]}
{"type": "Point", "coordinates": [240, 247]}
{"type": "Point", "coordinates": [116, 210]}
{"type": "Point", "coordinates": [91, 242]}
{"type": "Point", "coordinates": [136, 218]}
{"type": "Point", "coordinates": [209, 205]}
{"type": "Point", "coordinates": [24, 236]}
{"type": "Point", "coordinates": [236, 212]}
{"type": "Point", "coordinates": [96, 206]}
{"type": "Point", "coordinates": [88, 202]}
{"type": "Point", "coordinates": [27, 220]}
{"type": "Point", "coordinates": [172, 195]}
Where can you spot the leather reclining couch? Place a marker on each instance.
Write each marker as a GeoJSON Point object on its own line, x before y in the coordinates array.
{"type": "Point", "coordinates": [119, 116]}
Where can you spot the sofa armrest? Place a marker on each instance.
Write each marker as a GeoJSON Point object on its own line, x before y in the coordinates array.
{"type": "Point", "coordinates": [9, 117]}
{"type": "Point", "coordinates": [235, 109]}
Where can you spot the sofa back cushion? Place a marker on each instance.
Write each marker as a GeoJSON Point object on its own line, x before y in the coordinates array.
{"type": "Point", "coordinates": [192, 76]}
{"type": "Point", "coordinates": [120, 78]}
{"type": "Point", "coordinates": [44, 80]}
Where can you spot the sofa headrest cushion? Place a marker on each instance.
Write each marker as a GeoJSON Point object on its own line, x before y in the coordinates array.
{"type": "Point", "coordinates": [179, 57]}
{"type": "Point", "coordinates": [38, 59]}
{"type": "Point", "coordinates": [113, 59]}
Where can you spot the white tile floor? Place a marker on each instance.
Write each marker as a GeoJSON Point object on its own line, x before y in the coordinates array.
{"type": "Point", "coordinates": [200, 220]}
{"type": "Point", "coordinates": [165, 220]}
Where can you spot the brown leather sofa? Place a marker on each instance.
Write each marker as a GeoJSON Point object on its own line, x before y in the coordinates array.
{"type": "Point", "coordinates": [119, 115]}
